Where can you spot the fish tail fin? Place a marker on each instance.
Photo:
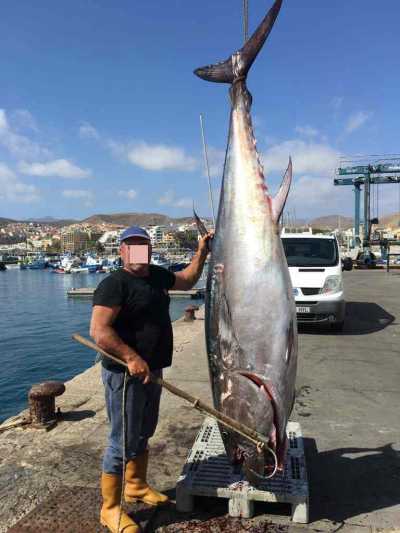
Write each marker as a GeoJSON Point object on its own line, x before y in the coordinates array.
{"type": "Point", "coordinates": [279, 200]}
{"type": "Point", "coordinates": [238, 65]}
{"type": "Point", "coordinates": [200, 224]}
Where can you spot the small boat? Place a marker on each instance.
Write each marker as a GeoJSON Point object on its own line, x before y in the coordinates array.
{"type": "Point", "coordinates": [2, 266]}
{"type": "Point", "coordinates": [58, 271]}
{"type": "Point", "coordinates": [159, 260]}
{"type": "Point", "coordinates": [68, 262]}
{"type": "Point", "coordinates": [38, 264]}
{"type": "Point", "coordinates": [79, 270]}
{"type": "Point", "coordinates": [92, 264]}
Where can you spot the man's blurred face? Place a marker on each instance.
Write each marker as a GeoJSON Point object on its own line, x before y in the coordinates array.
{"type": "Point", "coordinates": [136, 255]}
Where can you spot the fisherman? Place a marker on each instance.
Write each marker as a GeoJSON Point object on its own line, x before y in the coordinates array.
{"type": "Point", "coordinates": [130, 319]}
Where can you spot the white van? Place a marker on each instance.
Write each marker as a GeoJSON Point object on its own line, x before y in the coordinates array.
{"type": "Point", "coordinates": [316, 272]}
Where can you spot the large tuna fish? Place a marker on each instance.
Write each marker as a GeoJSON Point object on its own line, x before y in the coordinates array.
{"type": "Point", "coordinates": [251, 326]}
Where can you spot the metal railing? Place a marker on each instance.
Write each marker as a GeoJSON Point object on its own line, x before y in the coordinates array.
{"type": "Point", "coordinates": [388, 260]}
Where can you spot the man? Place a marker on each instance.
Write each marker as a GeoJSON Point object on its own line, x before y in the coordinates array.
{"type": "Point", "coordinates": [130, 319]}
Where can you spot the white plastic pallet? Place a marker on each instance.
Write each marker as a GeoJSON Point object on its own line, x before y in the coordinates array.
{"type": "Point", "coordinates": [208, 472]}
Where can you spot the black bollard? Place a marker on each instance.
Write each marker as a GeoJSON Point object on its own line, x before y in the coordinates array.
{"type": "Point", "coordinates": [190, 313]}
{"type": "Point", "coordinates": [42, 403]}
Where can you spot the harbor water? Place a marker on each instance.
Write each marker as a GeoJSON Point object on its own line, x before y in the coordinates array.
{"type": "Point", "coordinates": [37, 320]}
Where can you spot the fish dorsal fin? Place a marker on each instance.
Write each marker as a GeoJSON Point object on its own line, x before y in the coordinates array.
{"type": "Point", "coordinates": [279, 200]}
{"type": "Point", "coordinates": [200, 224]}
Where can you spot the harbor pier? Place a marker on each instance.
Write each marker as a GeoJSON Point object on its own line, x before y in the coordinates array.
{"type": "Point", "coordinates": [87, 292]}
{"type": "Point", "coordinates": [347, 404]}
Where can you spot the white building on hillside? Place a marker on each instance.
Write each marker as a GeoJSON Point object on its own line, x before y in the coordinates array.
{"type": "Point", "coordinates": [110, 241]}
{"type": "Point", "coordinates": [157, 234]}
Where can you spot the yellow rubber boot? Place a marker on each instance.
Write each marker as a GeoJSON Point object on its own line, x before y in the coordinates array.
{"type": "Point", "coordinates": [136, 487]}
{"type": "Point", "coordinates": [111, 488]}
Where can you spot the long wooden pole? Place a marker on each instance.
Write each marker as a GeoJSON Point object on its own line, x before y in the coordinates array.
{"type": "Point", "coordinates": [256, 438]}
{"type": "Point", "coordinates": [210, 194]}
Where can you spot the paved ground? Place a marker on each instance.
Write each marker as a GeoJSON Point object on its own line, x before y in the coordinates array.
{"type": "Point", "coordinates": [347, 403]}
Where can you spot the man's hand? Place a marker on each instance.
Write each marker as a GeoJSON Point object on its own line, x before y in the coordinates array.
{"type": "Point", "coordinates": [205, 243]}
{"type": "Point", "coordinates": [139, 368]}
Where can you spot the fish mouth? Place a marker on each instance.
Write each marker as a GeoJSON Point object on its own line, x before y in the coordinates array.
{"type": "Point", "coordinates": [260, 465]}
{"type": "Point", "coordinates": [262, 385]}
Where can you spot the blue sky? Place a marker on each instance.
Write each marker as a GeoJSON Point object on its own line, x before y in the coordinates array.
{"type": "Point", "coordinates": [99, 109]}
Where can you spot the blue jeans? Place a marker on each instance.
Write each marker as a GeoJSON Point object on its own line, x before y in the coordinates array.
{"type": "Point", "coordinates": [141, 417]}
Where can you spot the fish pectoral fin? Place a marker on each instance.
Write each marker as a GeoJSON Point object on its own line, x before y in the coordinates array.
{"type": "Point", "coordinates": [200, 225]}
{"type": "Point", "coordinates": [220, 72]}
{"type": "Point", "coordinates": [279, 201]}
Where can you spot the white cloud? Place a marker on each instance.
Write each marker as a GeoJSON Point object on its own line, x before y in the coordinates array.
{"type": "Point", "coordinates": [87, 131]}
{"type": "Point", "coordinates": [13, 190]}
{"type": "Point", "coordinates": [183, 202]}
{"type": "Point", "coordinates": [356, 120]}
{"type": "Point", "coordinates": [312, 191]}
{"type": "Point", "coordinates": [169, 198]}
{"type": "Point", "coordinates": [312, 196]}
{"type": "Point", "coordinates": [130, 194]}
{"type": "Point", "coordinates": [6, 172]}
{"type": "Point", "coordinates": [216, 159]}
{"type": "Point", "coordinates": [24, 120]}
{"type": "Point", "coordinates": [308, 157]}
{"type": "Point", "coordinates": [306, 131]}
{"type": "Point", "coordinates": [80, 194]}
{"type": "Point", "coordinates": [60, 168]}
{"type": "Point", "coordinates": [154, 157]}
{"type": "Point", "coordinates": [18, 145]}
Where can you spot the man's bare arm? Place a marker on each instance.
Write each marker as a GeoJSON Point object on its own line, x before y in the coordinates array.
{"type": "Point", "coordinates": [106, 337]}
{"type": "Point", "coordinates": [187, 278]}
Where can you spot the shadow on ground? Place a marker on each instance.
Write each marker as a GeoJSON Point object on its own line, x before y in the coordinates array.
{"type": "Point", "coordinates": [347, 482]}
{"type": "Point", "coordinates": [76, 416]}
{"type": "Point", "coordinates": [361, 318]}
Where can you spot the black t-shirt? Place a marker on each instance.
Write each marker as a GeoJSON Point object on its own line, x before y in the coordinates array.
{"type": "Point", "coordinates": [143, 321]}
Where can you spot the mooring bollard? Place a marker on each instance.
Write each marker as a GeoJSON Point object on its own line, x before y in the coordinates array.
{"type": "Point", "coordinates": [42, 403]}
{"type": "Point", "coordinates": [189, 313]}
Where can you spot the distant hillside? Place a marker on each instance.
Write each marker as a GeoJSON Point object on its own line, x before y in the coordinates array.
{"type": "Point", "coordinates": [390, 220]}
{"type": "Point", "coordinates": [136, 219]}
{"type": "Point", "coordinates": [123, 219]}
{"type": "Point", "coordinates": [50, 221]}
{"type": "Point", "coordinates": [5, 221]}
{"type": "Point", "coordinates": [332, 222]}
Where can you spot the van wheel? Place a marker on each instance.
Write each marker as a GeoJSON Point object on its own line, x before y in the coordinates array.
{"type": "Point", "coordinates": [337, 326]}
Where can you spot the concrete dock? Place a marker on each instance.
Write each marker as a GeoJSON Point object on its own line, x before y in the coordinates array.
{"type": "Point", "coordinates": [347, 403]}
{"type": "Point", "coordinates": [87, 292]}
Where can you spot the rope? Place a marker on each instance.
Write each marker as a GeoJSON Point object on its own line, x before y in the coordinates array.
{"type": "Point", "coordinates": [123, 449]}
{"type": "Point", "coordinates": [271, 451]}
{"type": "Point", "coordinates": [246, 20]}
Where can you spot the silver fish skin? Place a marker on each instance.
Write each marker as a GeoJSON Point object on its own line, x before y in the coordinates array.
{"type": "Point", "coordinates": [251, 329]}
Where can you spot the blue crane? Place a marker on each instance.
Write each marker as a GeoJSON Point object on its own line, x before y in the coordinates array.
{"type": "Point", "coordinates": [366, 175]}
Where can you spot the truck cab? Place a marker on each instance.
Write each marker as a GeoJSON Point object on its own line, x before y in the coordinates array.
{"type": "Point", "coordinates": [316, 272]}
